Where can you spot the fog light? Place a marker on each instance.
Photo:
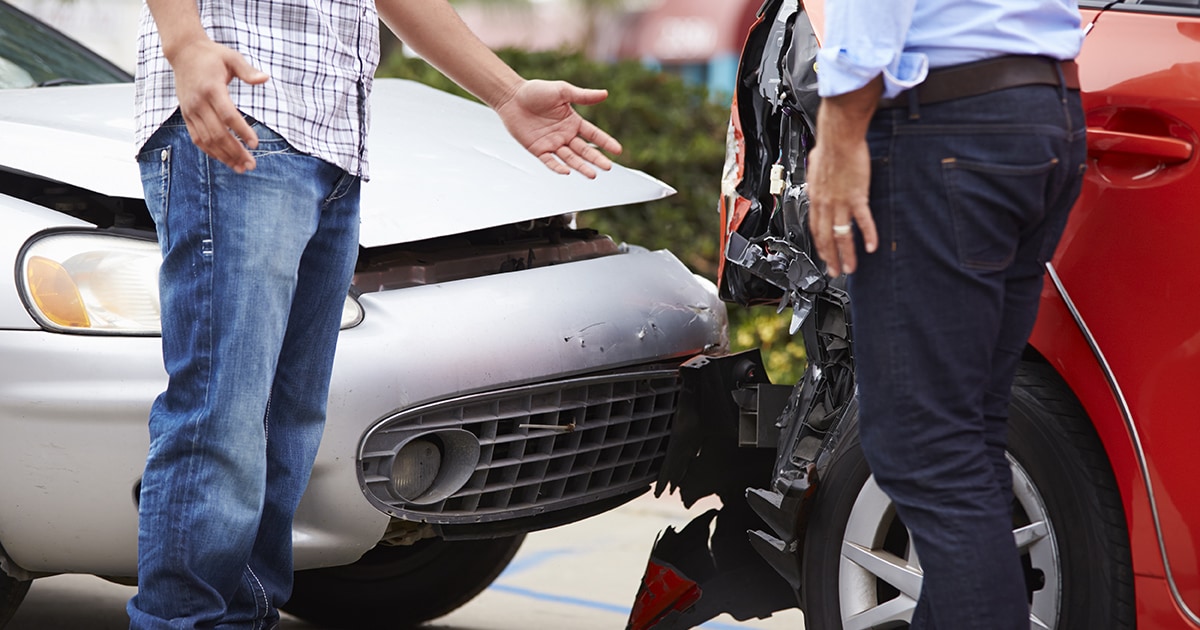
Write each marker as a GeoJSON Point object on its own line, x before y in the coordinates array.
{"type": "Point", "coordinates": [430, 467]}
{"type": "Point", "coordinates": [415, 468]}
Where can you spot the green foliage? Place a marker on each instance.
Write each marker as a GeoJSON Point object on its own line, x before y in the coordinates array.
{"type": "Point", "coordinates": [761, 327]}
{"type": "Point", "coordinates": [672, 131]}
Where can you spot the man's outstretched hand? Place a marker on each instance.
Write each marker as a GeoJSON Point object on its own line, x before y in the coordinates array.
{"type": "Point", "coordinates": [539, 114]}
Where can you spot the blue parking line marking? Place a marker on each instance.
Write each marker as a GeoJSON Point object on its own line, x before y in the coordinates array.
{"type": "Point", "coordinates": [560, 599]}
{"type": "Point", "coordinates": [531, 560]}
{"type": "Point", "coordinates": [595, 605]}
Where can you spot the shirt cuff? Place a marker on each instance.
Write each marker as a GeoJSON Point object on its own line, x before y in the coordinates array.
{"type": "Point", "coordinates": [839, 73]}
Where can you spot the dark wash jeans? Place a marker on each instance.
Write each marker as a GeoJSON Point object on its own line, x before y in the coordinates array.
{"type": "Point", "coordinates": [970, 198]}
{"type": "Point", "coordinates": [255, 272]}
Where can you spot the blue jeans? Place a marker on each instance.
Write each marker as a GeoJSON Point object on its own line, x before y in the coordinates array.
{"type": "Point", "coordinates": [255, 272]}
{"type": "Point", "coordinates": [970, 198]}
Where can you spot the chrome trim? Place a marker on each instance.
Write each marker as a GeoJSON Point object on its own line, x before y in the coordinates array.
{"type": "Point", "coordinates": [1139, 452]}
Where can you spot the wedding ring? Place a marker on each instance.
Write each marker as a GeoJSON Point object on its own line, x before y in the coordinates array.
{"type": "Point", "coordinates": [841, 230]}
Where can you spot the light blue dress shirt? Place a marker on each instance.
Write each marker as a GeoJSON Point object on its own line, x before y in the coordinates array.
{"type": "Point", "coordinates": [904, 39]}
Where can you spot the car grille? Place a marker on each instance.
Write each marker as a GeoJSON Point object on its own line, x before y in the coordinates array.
{"type": "Point", "coordinates": [543, 447]}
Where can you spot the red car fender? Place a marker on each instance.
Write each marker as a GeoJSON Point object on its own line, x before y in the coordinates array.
{"type": "Point", "coordinates": [1058, 338]}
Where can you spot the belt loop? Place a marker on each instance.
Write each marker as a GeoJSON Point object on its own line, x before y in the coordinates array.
{"type": "Point", "coordinates": [1062, 80]}
{"type": "Point", "coordinates": [914, 104]}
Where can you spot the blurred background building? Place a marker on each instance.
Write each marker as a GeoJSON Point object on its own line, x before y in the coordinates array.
{"type": "Point", "coordinates": [698, 39]}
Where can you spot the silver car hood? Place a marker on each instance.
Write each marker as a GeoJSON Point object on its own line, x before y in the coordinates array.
{"type": "Point", "coordinates": [440, 164]}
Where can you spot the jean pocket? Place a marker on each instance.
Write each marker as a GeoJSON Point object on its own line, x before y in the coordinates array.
{"type": "Point", "coordinates": [991, 205]}
{"type": "Point", "coordinates": [270, 142]}
{"type": "Point", "coordinates": [155, 165]}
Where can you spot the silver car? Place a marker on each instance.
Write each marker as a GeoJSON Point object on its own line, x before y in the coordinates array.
{"type": "Point", "coordinates": [532, 365]}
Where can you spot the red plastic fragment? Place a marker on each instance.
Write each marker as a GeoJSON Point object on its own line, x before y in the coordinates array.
{"type": "Point", "coordinates": [663, 590]}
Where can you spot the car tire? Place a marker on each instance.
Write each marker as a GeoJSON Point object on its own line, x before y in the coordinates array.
{"type": "Point", "coordinates": [12, 593]}
{"type": "Point", "coordinates": [400, 586]}
{"type": "Point", "coordinates": [1077, 561]}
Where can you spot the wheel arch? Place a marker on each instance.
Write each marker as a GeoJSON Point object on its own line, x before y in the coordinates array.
{"type": "Point", "coordinates": [1060, 341]}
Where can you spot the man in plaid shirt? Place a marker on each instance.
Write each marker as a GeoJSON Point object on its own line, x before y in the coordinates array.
{"type": "Point", "coordinates": [252, 119]}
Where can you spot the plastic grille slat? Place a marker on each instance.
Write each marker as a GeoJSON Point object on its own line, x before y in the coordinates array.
{"type": "Point", "coordinates": [621, 423]}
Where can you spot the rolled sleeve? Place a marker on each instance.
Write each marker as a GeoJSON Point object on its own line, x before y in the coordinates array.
{"type": "Point", "coordinates": [838, 72]}
{"type": "Point", "coordinates": [864, 39]}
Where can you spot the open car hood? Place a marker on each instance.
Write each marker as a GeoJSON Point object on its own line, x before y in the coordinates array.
{"type": "Point", "coordinates": [440, 164]}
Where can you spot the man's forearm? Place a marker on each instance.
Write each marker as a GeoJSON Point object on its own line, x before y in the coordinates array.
{"type": "Point", "coordinates": [844, 118]}
{"type": "Point", "coordinates": [178, 23]}
{"type": "Point", "coordinates": [435, 31]}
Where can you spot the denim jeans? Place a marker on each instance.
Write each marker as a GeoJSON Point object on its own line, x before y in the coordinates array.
{"type": "Point", "coordinates": [970, 198]}
{"type": "Point", "coordinates": [255, 272]}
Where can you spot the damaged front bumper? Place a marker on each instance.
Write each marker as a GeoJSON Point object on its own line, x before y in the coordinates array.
{"type": "Point", "coordinates": [761, 448]}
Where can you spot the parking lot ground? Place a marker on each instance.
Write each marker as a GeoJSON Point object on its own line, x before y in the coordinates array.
{"type": "Point", "coordinates": [581, 576]}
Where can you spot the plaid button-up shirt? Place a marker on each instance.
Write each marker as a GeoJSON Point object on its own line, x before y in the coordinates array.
{"type": "Point", "coordinates": [321, 56]}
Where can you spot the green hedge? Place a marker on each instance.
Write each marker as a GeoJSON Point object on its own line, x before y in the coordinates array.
{"type": "Point", "coordinates": [672, 131]}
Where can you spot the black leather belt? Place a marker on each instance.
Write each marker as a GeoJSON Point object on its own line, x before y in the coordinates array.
{"type": "Point", "coordinates": [987, 75]}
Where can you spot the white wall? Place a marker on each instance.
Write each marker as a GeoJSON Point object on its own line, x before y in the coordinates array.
{"type": "Point", "coordinates": [107, 26]}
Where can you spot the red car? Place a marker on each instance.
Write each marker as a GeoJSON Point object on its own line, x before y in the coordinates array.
{"type": "Point", "coordinates": [1104, 425]}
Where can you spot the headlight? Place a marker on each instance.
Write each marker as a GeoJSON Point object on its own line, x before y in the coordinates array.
{"type": "Point", "coordinates": [99, 283]}
{"type": "Point", "coordinates": [102, 284]}
{"type": "Point", "coordinates": [352, 311]}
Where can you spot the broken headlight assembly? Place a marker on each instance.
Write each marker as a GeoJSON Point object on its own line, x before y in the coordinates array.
{"type": "Point", "coordinates": [101, 283]}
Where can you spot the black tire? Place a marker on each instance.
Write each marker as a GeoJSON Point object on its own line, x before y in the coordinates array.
{"type": "Point", "coordinates": [1079, 573]}
{"type": "Point", "coordinates": [12, 593]}
{"type": "Point", "coordinates": [403, 586]}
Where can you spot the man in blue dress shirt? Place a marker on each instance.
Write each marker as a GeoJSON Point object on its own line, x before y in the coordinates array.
{"type": "Point", "coordinates": [950, 148]}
